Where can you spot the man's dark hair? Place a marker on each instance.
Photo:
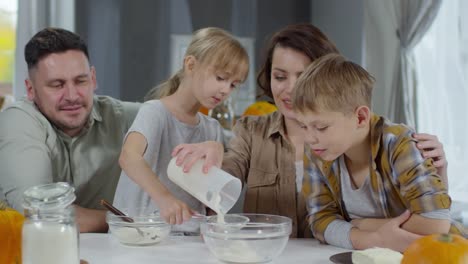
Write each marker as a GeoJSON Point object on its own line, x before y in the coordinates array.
{"type": "Point", "coordinates": [52, 40]}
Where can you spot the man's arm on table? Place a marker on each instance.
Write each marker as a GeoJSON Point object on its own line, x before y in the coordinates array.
{"type": "Point", "coordinates": [24, 156]}
{"type": "Point", "coordinates": [90, 220]}
{"type": "Point", "coordinates": [25, 161]}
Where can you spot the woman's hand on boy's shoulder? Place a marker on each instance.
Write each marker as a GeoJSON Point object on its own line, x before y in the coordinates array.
{"type": "Point", "coordinates": [187, 154]}
{"type": "Point", "coordinates": [431, 147]}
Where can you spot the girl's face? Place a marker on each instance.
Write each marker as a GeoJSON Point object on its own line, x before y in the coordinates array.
{"type": "Point", "coordinates": [213, 86]}
{"type": "Point", "coordinates": [287, 64]}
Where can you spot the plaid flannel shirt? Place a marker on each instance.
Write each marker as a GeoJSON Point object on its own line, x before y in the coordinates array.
{"type": "Point", "coordinates": [400, 179]}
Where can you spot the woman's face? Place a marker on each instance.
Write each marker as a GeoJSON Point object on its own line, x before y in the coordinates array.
{"type": "Point", "coordinates": [287, 64]}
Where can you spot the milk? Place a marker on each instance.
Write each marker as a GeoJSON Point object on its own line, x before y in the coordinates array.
{"type": "Point", "coordinates": [50, 243]}
{"type": "Point", "coordinates": [217, 208]}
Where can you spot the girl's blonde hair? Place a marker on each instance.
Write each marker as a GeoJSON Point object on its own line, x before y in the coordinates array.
{"type": "Point", "coordinates": [211, 47]}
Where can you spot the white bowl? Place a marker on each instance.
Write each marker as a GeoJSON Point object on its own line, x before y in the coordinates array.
{"type": "Point", "coordinates": [261, 239]}
{"type": "Point", "coordinates": [145, 230]}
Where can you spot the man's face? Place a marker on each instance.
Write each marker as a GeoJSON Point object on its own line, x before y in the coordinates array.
{"type": "Point", "coordinates": [62, 87]}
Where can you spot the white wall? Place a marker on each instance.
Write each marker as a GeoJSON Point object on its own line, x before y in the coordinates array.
{"type": "Point", "coordinates": [347, 24]}
{"type": "Point", "coordinates": [342, 21]}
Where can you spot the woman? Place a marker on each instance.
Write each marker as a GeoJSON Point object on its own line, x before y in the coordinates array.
{"type": "Point", "coordinates": [267, 152]}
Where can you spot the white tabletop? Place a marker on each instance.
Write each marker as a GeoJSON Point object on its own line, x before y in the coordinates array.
{"type": "Point", "coordinates": [102, 248]}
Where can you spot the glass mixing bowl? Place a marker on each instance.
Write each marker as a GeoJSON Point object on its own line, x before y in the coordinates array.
{"type": "Point", "coordinates": [145, 230]}
{"type": "Point", "coordinates": [261, 239]}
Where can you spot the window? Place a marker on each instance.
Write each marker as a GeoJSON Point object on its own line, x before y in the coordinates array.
{"type": "Point", "coordinates": [441, 62]}
{"type": "Point", "coordinates": [8, 13]}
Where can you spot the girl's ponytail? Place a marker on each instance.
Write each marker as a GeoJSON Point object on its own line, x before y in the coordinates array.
{"type": "Point", "coordinates": [166, 88]}
{"type": "Point", "coordinates": [210, 46]}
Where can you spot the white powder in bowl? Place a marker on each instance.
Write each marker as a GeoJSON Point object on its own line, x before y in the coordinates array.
{"type": "Point", "coordinates": [239, 251]}
{"type": "Point", "coordinates": [146, 236]}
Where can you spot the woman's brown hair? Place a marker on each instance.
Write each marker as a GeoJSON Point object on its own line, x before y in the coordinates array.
{"type": "Point", "coordinates": [304, 38]}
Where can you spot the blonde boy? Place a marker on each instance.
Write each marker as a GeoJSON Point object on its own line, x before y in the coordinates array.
{"type": "Point", "coordinates": [366, 183]}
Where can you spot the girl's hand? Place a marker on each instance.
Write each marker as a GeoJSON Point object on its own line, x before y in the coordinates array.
{"type": "Point", "coordinates": [174, 211]}
{"type": "Point", "coordinates": [188, 154]}
{"type": "Point", "coordinates": [392, 236]}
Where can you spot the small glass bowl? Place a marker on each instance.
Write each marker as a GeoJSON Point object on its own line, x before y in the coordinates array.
{"type": "Point", "coordinates": [261, 239]}
{"type": "Point", "coordinates": [145, 230]}
{"type": "Point", "coordinates": [192, 227]}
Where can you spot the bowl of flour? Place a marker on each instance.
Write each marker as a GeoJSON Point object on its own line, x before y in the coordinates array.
{"type": "Point", "coordinates": [144, 230]}
{"type": "Point", "coordinates": [260, 239]}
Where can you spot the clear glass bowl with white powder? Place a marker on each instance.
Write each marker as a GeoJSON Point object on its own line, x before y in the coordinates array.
{"type": "Point", "coordinates": [261, 239]}
{"type": "Point", "coordinates": [145, 230]}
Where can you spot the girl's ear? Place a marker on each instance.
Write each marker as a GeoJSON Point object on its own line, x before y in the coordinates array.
{"type": "Point", "coordinates": [363, 115]}
{"type": "Point", "coordinates": [189, 63]}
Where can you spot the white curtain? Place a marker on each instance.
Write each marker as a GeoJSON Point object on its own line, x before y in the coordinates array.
{"type": "Point", "coordinates": [34, 15]}
{"type": "Point", "coordinates": [441, 62]}
{"type": "Point", "coordinates": [392, 29]}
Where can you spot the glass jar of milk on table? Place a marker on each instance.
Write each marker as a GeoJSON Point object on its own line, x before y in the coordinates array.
{"type": "Point", "coordinates": [50, 234]}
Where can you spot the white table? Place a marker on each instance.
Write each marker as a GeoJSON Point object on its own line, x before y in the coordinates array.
{"type": "Point", "coordinates": [102, 248]}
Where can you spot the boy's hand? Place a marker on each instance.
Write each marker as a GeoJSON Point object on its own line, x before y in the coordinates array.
{"type": "Point", "coordinates": [188, 154]}
{"type": "Point", "coordinates": [173, 210]}
{"type": "Point", "coordinates": [392, 236]}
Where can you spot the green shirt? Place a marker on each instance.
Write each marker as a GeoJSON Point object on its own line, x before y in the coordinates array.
{"type": "Point", "coordinates": [33, 151]}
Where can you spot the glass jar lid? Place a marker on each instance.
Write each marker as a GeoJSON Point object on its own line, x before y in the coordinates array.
{"type": "Point", "coordinates": [49, 196]}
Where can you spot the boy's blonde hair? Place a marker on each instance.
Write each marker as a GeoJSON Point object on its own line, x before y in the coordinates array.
{"type": "Point", "coordinates": [211, 47]}
{"type": "Point", "coordinates": [332, 83]}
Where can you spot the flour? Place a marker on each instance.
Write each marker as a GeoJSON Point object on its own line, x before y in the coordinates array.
{"type": "Point", "coordinates": [131, 236]}
{"type": "Point", "coordinates": [50, 243]}
{"type": "Point", "coordinates": [239, 251]}
{"type": "Point", "coordinates": [250, 249]}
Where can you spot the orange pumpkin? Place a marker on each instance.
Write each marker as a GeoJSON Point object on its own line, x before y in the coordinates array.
{"type": "Point", "coordinates": [11, 223]}
{"type": "Point", "coordinates": [260, 108]}
{"type": "Point", "coordinates": [438, 248]}
{"type": "Point", "coordinates": [204, 110]}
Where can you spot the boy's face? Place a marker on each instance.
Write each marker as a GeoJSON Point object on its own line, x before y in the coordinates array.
{"type": "Point", "coordinates": [329, 134]}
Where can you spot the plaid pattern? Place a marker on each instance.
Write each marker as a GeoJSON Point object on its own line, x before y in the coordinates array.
{"type": "Point", "coordinates": [400, 179]}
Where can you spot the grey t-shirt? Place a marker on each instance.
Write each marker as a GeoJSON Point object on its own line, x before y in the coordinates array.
{"type": "Point", "coordinates": [33, 151]}
{"type": "Point", "coordinates": [163, 132]}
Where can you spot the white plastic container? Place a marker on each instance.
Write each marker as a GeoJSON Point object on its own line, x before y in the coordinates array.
{"type": "Point", "coordinates": [217, 189]}
{"type": "Point", "coordinates": [50, 234]}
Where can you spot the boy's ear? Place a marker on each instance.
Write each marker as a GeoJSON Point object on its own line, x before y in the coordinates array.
{"type": "Point", "coordinates": [363, 115]}
{"type": "Point", "coordinates": [189, 63]}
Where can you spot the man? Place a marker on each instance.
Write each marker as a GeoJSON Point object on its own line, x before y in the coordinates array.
{"type": "Point", "coordinates": [62, 132]}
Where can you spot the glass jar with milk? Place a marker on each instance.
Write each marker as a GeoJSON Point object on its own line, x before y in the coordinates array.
{"type": "Point", "coordinates": [50, 234]}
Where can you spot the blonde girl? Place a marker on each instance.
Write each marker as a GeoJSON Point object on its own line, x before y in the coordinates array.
{"type": "Point", "coordinates": [214, 64]}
